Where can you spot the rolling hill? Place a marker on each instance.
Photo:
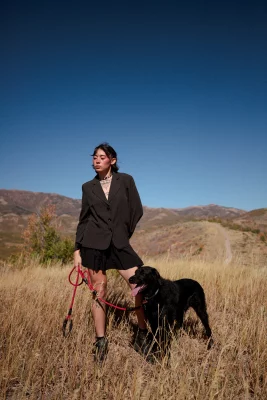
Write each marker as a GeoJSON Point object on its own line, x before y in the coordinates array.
{"type": "Point", "coordinates": [178, 232]}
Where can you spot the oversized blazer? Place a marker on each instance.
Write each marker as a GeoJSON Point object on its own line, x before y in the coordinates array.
{"type": "Point", "coordinates": [102, 221]}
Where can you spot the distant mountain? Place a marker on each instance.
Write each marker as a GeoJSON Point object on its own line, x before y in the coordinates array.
{"type": "Point", "coordinates": [209, 211]}
{"type": "Point", "coordinates": [256, 219]}
{"type": "Point", "coordinates": [170, 216]}
{"type": "Point", "coordinates": [23, 202]}
{"type": "Point", "coordinates": [17, 205]}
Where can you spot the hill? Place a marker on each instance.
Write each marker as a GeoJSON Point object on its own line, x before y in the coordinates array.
{"type": "Point", "coordinates": [256, 219]}
{"type": "Point", "coordinates": [178, 232]}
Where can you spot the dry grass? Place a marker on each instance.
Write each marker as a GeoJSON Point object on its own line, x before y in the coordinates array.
{"type": "Point", "coordinates": [38, 363]}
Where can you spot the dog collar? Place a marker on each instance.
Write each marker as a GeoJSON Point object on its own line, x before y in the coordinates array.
{"type": "Point", "coordinates": [153, 295]}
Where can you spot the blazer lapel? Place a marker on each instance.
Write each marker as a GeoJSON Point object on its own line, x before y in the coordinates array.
{"type": "Point", "coordinates": [98, 191]}
{"type": "Point", "coordinates": [115, 186]}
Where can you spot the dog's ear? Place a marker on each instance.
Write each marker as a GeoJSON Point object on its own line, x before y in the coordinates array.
{"type": "Point", "coordinates": [157, 276]}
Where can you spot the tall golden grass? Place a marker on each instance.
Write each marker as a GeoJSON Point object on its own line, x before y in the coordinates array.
{"type": "Point", "coordinates": [38, 363]}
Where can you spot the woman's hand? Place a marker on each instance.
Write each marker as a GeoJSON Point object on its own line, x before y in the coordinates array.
{"type": "Point", "coordinates": [77, 258]}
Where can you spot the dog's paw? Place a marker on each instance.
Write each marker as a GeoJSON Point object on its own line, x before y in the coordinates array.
{"type": "Point", "coordinates": [210, 343]}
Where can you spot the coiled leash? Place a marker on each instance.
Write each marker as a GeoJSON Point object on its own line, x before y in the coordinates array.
{"type": "Point", "coordinates": [82, 275]}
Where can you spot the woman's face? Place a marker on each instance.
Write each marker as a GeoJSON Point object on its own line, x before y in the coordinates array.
{"type": "Point", "coordinates": [102, 163]}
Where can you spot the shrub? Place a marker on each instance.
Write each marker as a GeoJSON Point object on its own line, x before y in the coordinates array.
{"type": "Point", "coordinates": [42, 239]}
{"type": "Point", "coordinates": [64, 250]}
{"type": "Point", "coordinates": [262, 238]}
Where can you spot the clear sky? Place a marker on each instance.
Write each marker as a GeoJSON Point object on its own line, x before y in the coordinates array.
{"type": "Point", "coordinates": [178, 88]}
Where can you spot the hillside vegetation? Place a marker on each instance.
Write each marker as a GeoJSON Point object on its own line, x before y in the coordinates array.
{"type": "Point", "coordinates": [38, 363]}
{"type": "Point", "coordinates": [174, 232]}
{"type": "Point", "coordinates": [202, 240]}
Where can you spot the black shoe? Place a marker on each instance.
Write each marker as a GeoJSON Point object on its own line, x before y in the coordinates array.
{"type": "Point", "coordinates": [100, 349]}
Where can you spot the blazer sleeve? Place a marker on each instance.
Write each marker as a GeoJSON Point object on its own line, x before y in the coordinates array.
{"type": "Point", "coordinates": [135, 205]}
{"type": "Point", "coordinates": [83, 219]}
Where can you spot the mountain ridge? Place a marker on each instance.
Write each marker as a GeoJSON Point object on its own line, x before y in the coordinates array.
{"type": "Point", "coordinates": [19, 193]}
{"type": "Point", "coordinates": [174, 231]}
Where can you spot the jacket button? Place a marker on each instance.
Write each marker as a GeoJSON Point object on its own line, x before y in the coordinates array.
{"type": "Point", "coordinates": [109, 219]}
{"type": "Point", "coordinates": [108, 208]}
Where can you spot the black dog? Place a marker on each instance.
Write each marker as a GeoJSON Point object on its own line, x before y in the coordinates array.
{"type": "Point", "coordinates": [165, 303]}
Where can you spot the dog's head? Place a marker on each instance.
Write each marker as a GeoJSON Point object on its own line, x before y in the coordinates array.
{"type": "Point", "coordinates": [146, 279]}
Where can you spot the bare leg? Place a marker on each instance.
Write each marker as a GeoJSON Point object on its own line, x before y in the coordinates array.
{"type": "Point", "coordinates": [126, 274]}
{"type": "Point", "coordinates": [99, 282]}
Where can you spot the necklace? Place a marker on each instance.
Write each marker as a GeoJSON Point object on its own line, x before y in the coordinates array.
{"type": "Point", "coordinates": [106, 178]}
{"type": "Point", "coordinates": [105, 184]}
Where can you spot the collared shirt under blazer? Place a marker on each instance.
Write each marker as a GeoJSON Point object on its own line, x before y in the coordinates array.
{"type": "Point", "coordinates": [103, 220]}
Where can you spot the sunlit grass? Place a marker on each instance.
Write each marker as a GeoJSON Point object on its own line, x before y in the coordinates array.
{"type": "Point", "coordinates": [38, 363]}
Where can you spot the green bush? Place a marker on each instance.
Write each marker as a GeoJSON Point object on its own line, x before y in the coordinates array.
{"type": "Point", "coordinates": [262, 238]}
{"type": "Point", "coordinates": [42, 240]}
{"type": "Point", "coordinates": [64, 250]}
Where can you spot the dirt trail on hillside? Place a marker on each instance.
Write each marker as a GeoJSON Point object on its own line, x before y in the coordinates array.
{"type": "Point", "coordinates": [228, 250]}
{"type": "Point", "coordinates": [218, 244]}
{"type": "Point", "coordinates": [209, 241]}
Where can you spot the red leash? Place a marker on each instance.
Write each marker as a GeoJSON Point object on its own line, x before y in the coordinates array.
{"type": "Point", "coordinates": [68, 317]}
{"type": "Point", "coordinates": [82, 274]}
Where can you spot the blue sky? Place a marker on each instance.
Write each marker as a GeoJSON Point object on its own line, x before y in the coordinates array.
{"type": "Point", "coordinates": [178, 88]}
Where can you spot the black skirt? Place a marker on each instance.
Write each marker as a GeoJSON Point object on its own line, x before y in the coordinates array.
{"type": "Point", "coordinates": [111, 258]}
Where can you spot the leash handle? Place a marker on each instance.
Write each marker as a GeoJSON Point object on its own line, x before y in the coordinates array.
{"type": "Point", "coordinates": [77, 280]}
{"type": "Point", "coordinates": [65, 323]}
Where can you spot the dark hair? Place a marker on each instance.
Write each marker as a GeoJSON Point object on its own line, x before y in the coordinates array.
{"type": "Point", "coordinates": [110, 152]}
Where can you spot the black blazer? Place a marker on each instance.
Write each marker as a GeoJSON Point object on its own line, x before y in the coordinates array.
{"type": "Point", "coordinates": [103, 220]}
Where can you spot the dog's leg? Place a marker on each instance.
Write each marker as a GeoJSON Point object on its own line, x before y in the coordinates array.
{"type": "Point", "coordinates": [161, 337]}
{"type": "Point", "coordinates": [203, 315]}
{"type": "Point", "coordinates": [179, 319]}
{"type": "Point", "coordinates": [199, 305]}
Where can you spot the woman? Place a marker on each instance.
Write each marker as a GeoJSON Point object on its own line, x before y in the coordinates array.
{"type": "Point", "coordinates": [111, 208]}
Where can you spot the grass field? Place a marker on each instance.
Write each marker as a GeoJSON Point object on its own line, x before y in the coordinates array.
{"type": "Point", "coordinates": [38, 363]}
